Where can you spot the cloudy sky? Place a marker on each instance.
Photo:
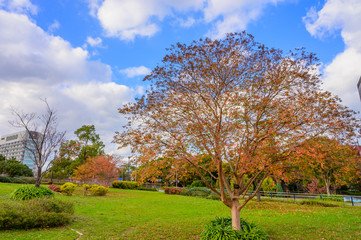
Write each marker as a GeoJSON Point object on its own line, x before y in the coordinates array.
{"type": "Point", "coordinates": [88, 57]}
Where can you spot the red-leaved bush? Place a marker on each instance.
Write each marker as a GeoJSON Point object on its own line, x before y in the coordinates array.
{"type": "Point", "coordinates": [174, 190]}
{"type": "Point", "coordinates": [54, 188]}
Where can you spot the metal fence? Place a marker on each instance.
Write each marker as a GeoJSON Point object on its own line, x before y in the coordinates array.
{"type": "Point", "coordinates": [354, 200]}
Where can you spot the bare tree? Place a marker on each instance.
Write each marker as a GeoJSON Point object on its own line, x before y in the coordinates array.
{"type": "Point", "coordinates": [43, 137]}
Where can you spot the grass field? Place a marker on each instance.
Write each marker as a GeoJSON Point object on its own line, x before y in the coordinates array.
{"type": "Point", "coordinates": [131, 214]}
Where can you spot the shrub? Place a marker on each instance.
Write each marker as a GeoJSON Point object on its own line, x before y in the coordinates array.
{"type": "Point", "coordinates": [213, 196]}
{"type": "Point", "coordinates": [221, 228]}
{"type": "Point", "coordinates": [336, 198]}
{"type": "Point", "coordinates": [96, 190]}
{"type": "Point", "coordinates": [29, 192]}
{"type": "Point", "coordinates": [174, 190]}
{"type": "Point", "coordinates": [317, 203]}
{"type": "Point", "coordinates": [22, 180]}
{"type": "Point", "coordinates": [146, 189]}
{"type": "Point", "coordinates": [197, 192]}
{"type": "Point", "coordinates": [68, 188]}
{"type": "Point", "coordinates": [54, 188]}
{"type": "Point", "coordinates": [35, 213]}
{"type": "Point", "coordinates": [125, 184]}
{"type": "Point", "coordinates": [197, 183]}
{"type": "Point", "coordinates": [86, 188]}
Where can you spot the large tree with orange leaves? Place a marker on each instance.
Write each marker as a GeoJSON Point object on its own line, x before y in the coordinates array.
{"type": "Point", "coordinates": [243, 104]}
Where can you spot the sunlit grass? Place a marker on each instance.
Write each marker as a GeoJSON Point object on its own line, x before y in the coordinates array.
{"type": "Point", "coordinates": [131, 214]}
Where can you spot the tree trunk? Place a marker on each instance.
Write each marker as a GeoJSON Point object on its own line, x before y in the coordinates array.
{"type": "Point", "coordinates": [327, 183]}
{"type": "Point", "coordinates": [236, 222]}
{"type": "Point", "coordinates": [38, 177]}
{"type": "Point", "coordinates": [258, 193]}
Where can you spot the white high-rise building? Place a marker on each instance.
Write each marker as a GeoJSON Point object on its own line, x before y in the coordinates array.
{"type": "Point", "coordinates": [17, 145]}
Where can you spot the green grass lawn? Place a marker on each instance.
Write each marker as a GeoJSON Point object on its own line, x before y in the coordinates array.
{"type": "Point", "coordinates": [131, 214]}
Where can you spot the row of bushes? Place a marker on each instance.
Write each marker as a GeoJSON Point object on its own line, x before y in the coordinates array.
{"type": "Point", "coordinates": [125, 184]}
{"type": "Point", "coordinates": [318, 203]}
{"type": "Point", "coordinates": [35, 213]}
{"type": "Point", "coordinates": [194, 192]}
{"type": "Point", "coordinates": [22, 180]}
{"type": "Point", "coordinates": [130, 185]}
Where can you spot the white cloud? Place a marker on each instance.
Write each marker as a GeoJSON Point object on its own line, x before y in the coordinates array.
{"type": "Point", "coordinates": [135, 71]}
{"type": "Point", "coordinates": [94, 42]}
{"type": "Point", "coordinates": [19, 6]}
{"type": "Point", "coordinates": [54, 26]}
{"type": "Point", "coordinates": [35, 64]}
{"type": "Point", "coordinates": [127, 19]}
{"type": "Point", "coordinates": [94, 6]}
{"type": "Point", "coordinates": [233, 15]}
{"type": "Point", "coordinates": [342, 74]}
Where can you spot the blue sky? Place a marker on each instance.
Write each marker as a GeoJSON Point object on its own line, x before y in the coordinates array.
{"type": "Point", "coordinates": [88, 57]}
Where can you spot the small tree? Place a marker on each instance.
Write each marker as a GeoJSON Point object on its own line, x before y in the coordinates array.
{"type": "Point", "coordinates": [100, 169]}
{"type": "Point", "coordinates": [246, 106]}
{"type": "Point", "coordinates": [43, 137]}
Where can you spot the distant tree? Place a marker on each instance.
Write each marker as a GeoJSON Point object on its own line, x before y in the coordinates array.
{"type": "Point", "coordinates": [15, 168]}
{"type": "Point", "coordinates": [43, 134]}
{"type": "Point", "coordinates": [327, 160]}
{"type": "Point", "coordinates": [246, 106]}
{"type": "Point", "coordinates": [101, 169]}
{"type": "Point", "coordinates": [66, 160]}
{"type": "Point", "coordinates": [2, 163]}
{"type": "Point", "coordinates": [91, 144]}
{"type": "Point", "coordinates": [73, 153]}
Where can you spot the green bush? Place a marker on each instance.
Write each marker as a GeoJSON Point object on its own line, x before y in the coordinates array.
{"type": "Point", "coordinates": [22, 180]}
{"type": "Point", "coordinates": [318, 203]}
{"type": "Point", "coordinates": [197, 183]}
{"type": "Point", "coordinates": [174, 190]}
{"type": "Point", "coordinates": [96, 190]}
{"type": "Point", "coordinates": [336, 198]}
{"type": "Point", "coordinates": [221, 229]}
{"type": "Point", "coordinates": [146, 189]}
{"type": "Point", "coordinates": [68, 188]}
{"type": "Point", "coordinates": [213, 196]}
{"type": "Point", "coordinates": [125, 184]}
{"type": "Point", "coordinates": [197, 192]}
{"type": "Point", "coordinates": [35, 213]}
{"type": "Point", "coordinates": [28, 192]}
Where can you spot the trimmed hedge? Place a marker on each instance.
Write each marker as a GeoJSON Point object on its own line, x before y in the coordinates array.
{"type": "Point", "coordinates": [221, 228]}
{"type": "Point", "coordinates": [318, 203]}
{"type": "Point", "coordinates": [35, 213]}
{"type": "Point", "coordinates": [21, 180]}
{"type": "Point", "coordinates": [201, 192]}
{"type": "Point", "coordinates": [147, 189]}
{"type": "Point", "coordinates": [125, 184]}
{"type": "Point", "coordinates": [28, 192]}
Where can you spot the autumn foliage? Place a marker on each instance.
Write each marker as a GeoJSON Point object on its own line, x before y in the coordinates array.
{"type": "Point", "coordinates": [101, 170]}
{"type": "Point", "coordinates": [328, 160]}
{"type": "Point", "coordinates": [246, 106]}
